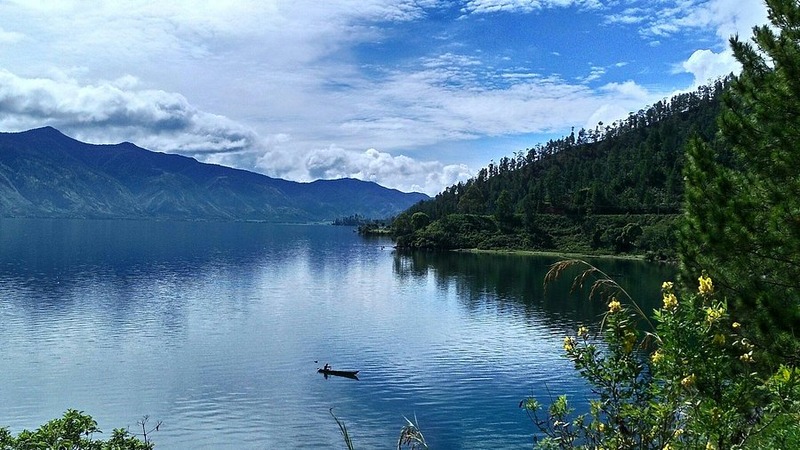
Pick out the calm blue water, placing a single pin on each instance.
(214, 329)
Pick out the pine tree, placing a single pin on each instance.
(504, 209)
(742, 198)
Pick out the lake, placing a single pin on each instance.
(217, 329)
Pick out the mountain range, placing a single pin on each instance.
(44, 173)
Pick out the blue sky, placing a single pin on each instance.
(412, 94)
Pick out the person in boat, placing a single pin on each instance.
(327, 367)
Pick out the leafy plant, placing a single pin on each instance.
(74, 431)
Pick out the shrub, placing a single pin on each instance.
(75, 431)
(684, 379)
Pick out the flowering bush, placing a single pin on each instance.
(686, 382)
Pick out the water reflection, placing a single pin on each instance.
(516, 282)
(326, 373)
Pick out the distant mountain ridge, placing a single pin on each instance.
(44, 173)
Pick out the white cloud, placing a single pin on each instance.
(628, 16)
(493, 6)
(373, 165)
(10, 37)
(594, 74)
(706, 65)
(626, 91)
(399, 172)
(105, 111)
(726, 17)
(662, 20)
(621, 99)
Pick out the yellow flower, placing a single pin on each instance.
(601, 427)
(710, 446)
(583, 332)
(747, 357)
(714, 314)
(657, 357)
(736, 325)
(630, 341)
(667, 447)
(670, 301)
(667, 286)
(678, 432)
(706, 286)
(688, 381)
(569, 344)
(614, 306)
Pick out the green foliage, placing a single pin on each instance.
(626, 239)
(684, 380)
(743, 189)
(419, 220)
(504, 209)
(651, 234)
(73, 431)
(452, 231)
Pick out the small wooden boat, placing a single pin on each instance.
(339, 373)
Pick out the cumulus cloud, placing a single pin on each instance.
(400, 172)
(728, 18)
(442, 101)
(107, 110)
(373, 165)
(706, 65)
(620, 100)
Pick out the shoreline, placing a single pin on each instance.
(553, 253)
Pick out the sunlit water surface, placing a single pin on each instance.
(215, 329)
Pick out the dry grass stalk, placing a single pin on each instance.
(411, 436)
(602, 284)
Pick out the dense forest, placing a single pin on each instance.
(614, 188)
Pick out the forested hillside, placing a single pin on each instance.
(616, 188)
